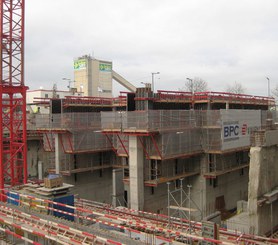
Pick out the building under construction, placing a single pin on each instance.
(144, 168)
(156, 153)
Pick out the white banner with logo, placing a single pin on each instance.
(237, 126)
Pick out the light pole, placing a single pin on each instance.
(268, 86)
(154, 73)
(69, 81)
(191, 84)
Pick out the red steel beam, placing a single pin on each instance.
(13, 132)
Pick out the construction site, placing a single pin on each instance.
(146, 167)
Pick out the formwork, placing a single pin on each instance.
(149, 121)
(68, 121)
(79, 132)
(179, 132)
(174, 144)
(121, 144)
(85, 141)
(48, 141)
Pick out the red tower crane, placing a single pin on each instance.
(13, 131)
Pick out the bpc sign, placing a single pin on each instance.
(231, 131)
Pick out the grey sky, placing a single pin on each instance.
(220, 41)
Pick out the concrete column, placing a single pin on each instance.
(40, 170)
(227, 105)
(203, 185)
(209, 106)
(58, 152)
(117, 188)
(136, 173)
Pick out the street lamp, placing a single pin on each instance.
(154, 73)
(69, 81)
(191, 84)
(268, 86)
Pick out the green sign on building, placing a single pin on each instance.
(80, 64)
(105, 67)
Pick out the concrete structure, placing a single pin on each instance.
(156, 141)
(260, 216)
(93, 77)
(263, 183)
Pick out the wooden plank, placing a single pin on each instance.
(221, 172)
(183, 208)
(166, 179)
(65, 186)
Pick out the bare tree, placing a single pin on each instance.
(236, 88)
(195, 85)
(275, 91)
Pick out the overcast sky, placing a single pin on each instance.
(220, 41)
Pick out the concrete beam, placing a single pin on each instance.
(123, 82)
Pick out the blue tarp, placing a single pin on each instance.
(69, 200)
(15, 196)
(53, 176)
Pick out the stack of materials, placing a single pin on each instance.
(53, 189)
(53, 180)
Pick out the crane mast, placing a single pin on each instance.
(13, 130)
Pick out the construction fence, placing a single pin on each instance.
(69, 121)
(152, 120)
(171, 144)
(175, 132)
(184, 132)
(85, 141)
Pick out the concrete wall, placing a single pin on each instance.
(232, 186)
(156, 198)
(92, 186)
(263, 178)
(36, 153)
(118, 188)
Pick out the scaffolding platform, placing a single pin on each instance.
(214, 174)
(43, 191)
(80, 170)
(161, 180)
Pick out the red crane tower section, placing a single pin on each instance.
(13, 131)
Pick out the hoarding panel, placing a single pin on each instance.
(237, 126)
(68, 200)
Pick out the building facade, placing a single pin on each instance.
(93, 77)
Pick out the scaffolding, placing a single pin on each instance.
(148, 121)
(173, 133)
(173, 144)
(79, 132)
(223, 164)
(68, 121)
(232, 98)
(68, 163)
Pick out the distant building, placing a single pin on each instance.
(93, 77)
(38, 100)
